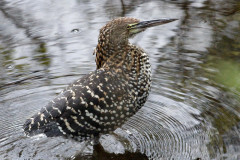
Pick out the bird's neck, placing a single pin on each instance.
(105, 52)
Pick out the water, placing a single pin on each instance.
(193, 111)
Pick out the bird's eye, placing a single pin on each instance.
(131, 26)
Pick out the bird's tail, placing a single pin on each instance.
(43, 122)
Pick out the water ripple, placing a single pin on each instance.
(161, 130)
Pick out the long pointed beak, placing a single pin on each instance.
(141, 26)
(152, 23)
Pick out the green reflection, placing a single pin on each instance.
(6, 57)
(228, 73)
(223, 70)
(42, 56)
(225, 121)
(42, 48)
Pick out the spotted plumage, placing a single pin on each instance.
(104, 99)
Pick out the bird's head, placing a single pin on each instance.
(118, 31)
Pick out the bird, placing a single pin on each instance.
(103, 100)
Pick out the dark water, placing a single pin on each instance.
(193, 111)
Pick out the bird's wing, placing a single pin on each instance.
(91, 105)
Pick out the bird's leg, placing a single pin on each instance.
(93, 142)
(98, 150)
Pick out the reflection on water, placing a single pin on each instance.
(194, 107)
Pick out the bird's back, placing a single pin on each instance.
(97, 103)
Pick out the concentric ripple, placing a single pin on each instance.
(162, 130)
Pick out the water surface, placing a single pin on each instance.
(193, 111)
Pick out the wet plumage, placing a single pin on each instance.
(104, 99)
